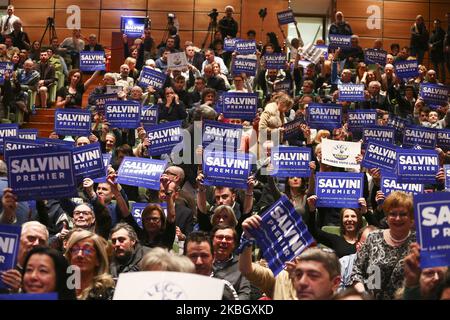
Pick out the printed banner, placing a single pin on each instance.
(28, 134)
(5, 67)
(417, 165)
(92, 60)
(374, 56)
(443, 139)
(341, 154)
(285, 17)
(29, 296)
(324, 116)
(101, 100)
(380, 155)
(11, 144)
(313, 52)
(447, 176)
(241, 64)
(339, 189)
(339, 41)
(282, 235)
(432, 218)
(359, 119)
(48, 142)
(291, 162)
(227, 169)
(177, 61)
(106, 158)
(229, 44)
(73, 122)
(399, 124)
(390, 184)
(351, 92)
(141, 172)
(240, 105)
(164, 137)
(379, 133)
(292, 128)
(406, 69)
(149, 115)
(138, 207)
(221, 136)
(151, 77)
(42, 173)
(88, 162)
(123, 114)
(132, 26)
(419, 135)
(245, 47)
(275, 61)
(284, 85)
(434, 94)
(9, 248)
(7, 130)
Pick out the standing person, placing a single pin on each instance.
(340, 26)
(6, 22)
(447, 44)
(228, 27)
(73, 46)
(47, 78)
(379, 264)
(419, 39)
(437, 49)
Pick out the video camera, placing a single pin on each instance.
(170, 17)
(213, 14)
(262, 13)
(50, 21)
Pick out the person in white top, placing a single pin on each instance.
(210, 58)
(7, 21)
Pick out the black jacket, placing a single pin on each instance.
(184, 219)
(131, 265)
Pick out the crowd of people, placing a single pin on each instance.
(189, 226)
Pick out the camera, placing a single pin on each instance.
(50, 21)
(262, 13)
(213, 14)
(171, 15)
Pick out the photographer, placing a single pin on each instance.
(227, 25)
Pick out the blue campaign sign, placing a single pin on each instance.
(227, 169)
(420, 166)
(138, 207)
(443, 139)
(406, 69)
(141, 172)
(447, 176)
(229, 44)
(29, 296)
(380, 155)
(292, 128)
(241, 64)
(390, 184)
(7, 130)
(399, 124)
(149, 115)
(221, 136)
(88, 161)
(285, 17)
(245, 46)
(28, 134)
(132, 25)
(151, 77)
(324, 116)
(339, 41)
(291, 162)
(123, 114)
(339, 189)
(9, 247)
(42, 173)
(282, 235)
(73, 122)
(48, 142)
(284, 85)
(11, 144)
(432, 219)
(374, 56)
(240, 105)
(419, 135)
(379, 133)
(106, 158)
(275, 61)
(92, 60)
(164, 137)
(359, 119)
(434, 94)
(5, 67)
(101, 100)
(351, 92)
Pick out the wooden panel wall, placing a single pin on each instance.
(103, 17)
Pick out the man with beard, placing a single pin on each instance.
(127, 252)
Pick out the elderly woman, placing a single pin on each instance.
(379, 264)
(273, 116)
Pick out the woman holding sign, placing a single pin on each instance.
(379, 264)
(71, 96)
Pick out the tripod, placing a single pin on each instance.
(212, 28)
(50, 27)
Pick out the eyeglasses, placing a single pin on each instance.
(85, 250)
(227, 238)
(84, 213)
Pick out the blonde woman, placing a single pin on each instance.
(88, 252)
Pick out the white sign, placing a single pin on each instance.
(341, 154)
(162, 285)
(177, 61)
